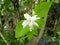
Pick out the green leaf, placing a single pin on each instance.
(32, 34)
(24, 31)
(6, 3)
(58, 33)
(42, 10)
(20, 31)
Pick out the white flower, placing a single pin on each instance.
(30, 21)
(5, 27)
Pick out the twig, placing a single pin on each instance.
(55, 24)
(41, 33)
(3, 38)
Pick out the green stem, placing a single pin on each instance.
(3, 38)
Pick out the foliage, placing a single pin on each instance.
(11, 18)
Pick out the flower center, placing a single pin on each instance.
(29, 20)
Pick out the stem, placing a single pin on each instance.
(55, 24)
(41, 33)
(3, 38)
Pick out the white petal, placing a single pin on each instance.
(25, 23)
(27, 16)
(34, 18)
(31, 26)
(5, 27)
(36, 24)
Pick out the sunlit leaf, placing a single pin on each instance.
(20, 31)
(42, 10)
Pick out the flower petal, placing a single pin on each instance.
(25, 23)
(27, 16)
(36, 24)
(34, 18)
(31, 26)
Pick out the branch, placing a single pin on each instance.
(3, 38)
